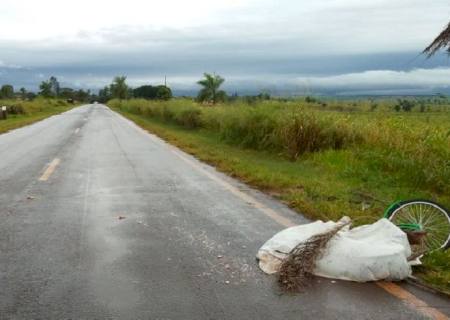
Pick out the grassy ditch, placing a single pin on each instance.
(323, 163)
(22, 113)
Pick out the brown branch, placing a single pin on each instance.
(297, 268)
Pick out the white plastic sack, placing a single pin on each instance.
(367, 253)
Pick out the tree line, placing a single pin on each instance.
(209, 93)
(119, 89)
(48, 89)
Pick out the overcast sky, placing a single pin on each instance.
(295, 46)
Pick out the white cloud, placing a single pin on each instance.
(49, 18)
(314, 27)
(423, 78)
(4, 65)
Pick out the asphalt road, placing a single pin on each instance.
(101, 220)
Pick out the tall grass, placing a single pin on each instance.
(21, 113)
(413, 146)
(18, 107)
(274, 126)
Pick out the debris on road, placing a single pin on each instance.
(366, 253)
(121, 217)
(142, 223)
(297, 268)
(31, 197)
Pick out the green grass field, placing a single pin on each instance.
(23, 113)
(324, 163)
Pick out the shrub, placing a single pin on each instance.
(167, 114)
(189, 118)
(309, 99)
(15, 109)
(304, 132)
(299, 134)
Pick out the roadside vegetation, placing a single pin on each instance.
(24, 107)
(21, 113)
(326, 158)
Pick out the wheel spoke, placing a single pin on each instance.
(431, 218)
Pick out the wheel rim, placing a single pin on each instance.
(429, 217)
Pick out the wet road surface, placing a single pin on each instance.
(101, 220)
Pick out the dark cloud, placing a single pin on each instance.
(329, 46)
(302, 76)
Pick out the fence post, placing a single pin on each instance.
(3, 113)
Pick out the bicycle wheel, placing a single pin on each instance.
(424, 216)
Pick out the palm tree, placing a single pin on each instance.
(210, 91)
(119, 88)
(441, 41)
(23, 93)
(46, 89)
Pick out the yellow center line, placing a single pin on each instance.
(412, 300)
(50, 169)
(389, 287)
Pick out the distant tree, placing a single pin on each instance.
(146, 92)
(163, 93)
(210, 91)
(45, 89)
(405, 105)
(310, 99)
(7, 91)
(264, 96)
(67, 93)
(119, 88)
(30, 95)
(93, 97)
(81, 95)
(23, 93)
(55, 86)
(104, 94)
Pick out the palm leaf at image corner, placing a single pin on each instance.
(441, 41)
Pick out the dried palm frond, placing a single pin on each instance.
(297, 268)
(441, 41)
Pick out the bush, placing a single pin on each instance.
(189, 118)
(309, 99)
(167, 114)
(304, 132)
(15, 109)
(249, 127)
